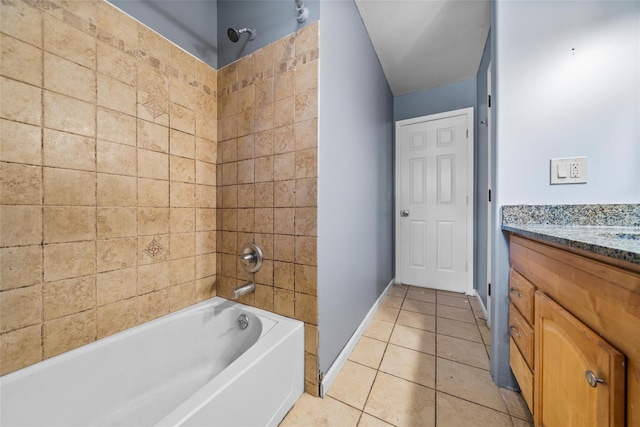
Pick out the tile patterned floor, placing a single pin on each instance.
(422, 361)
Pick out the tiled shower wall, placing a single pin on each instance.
(267, 180)
(108, 164)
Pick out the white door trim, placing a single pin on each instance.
(470, 179)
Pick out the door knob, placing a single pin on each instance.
(404, 213)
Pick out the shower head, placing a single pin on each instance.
(234, 33)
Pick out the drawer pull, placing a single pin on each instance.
(592, 379)
(515, 292)
(514, 331)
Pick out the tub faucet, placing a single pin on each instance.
(247, 288)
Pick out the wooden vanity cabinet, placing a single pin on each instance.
(586, 317)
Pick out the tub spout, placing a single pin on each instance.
(247, 288)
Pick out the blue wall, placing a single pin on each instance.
(191, 25)
(355, 205)
(437, 100)
(273, 19)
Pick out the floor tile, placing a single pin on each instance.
(451, 294)
(379, 330)
(393, 302)
(419, 306)
(353, 384)
(486, 334)
(454, 301)
(415, 339)
(455, 328)
(367, 420)
(400, 402)
(516, 405)
(426, 295)
(410, 365)
(368, 352)
(418, 320)
(455, 313)
(517, 422)
(313, 411)
(462, 351)
(469, 383)
(455, 412)
(387, 314)
(398, 291)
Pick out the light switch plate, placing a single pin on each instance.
(568, 170)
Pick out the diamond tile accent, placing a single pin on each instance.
(153, 249)
(154, 108)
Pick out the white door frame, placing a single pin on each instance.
(470, 179)
(490, 202)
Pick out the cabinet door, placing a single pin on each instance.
(565, 351)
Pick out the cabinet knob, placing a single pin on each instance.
(592, 379)
(515, 292)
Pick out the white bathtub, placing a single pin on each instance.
(194, 367)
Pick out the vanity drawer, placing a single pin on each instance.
(522, 373)
(522, 334)
(521, 293)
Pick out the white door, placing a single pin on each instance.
(434, 206)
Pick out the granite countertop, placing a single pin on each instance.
(609, 230)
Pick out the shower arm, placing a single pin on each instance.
(302, 12)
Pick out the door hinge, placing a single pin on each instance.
(489, 194)
(489, 100)
(467, 200)
(489, 289)
(467, 133)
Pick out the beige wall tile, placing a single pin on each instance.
(246, 147)
(264, 220)
(116, 254)
(264, 297)
(20, 308)
(152, 221)
(227, 128)
(144, 258)
(115, 285)
(283, 275)
(20, 225)
(20, 266)
(205, 173)
(230, 173)
(117, 190)
(153, 108)
(153, 192)
(153, 44)
(181, 271)
(284, 139)
(284, 193)
(311, 339)
(153, 305)
(205, 219)
(182, 220)
(69, 188)
(306, 250)
(245, 220)
(116, 63)
(68, 114)
(115, 95)
(307, 38)
(182, 296)
(182, 169)
(205, 127)
(116, 222)
(182, 144)
(246, 97)
(182, 119)
(80, 14)
(228, 242)
(265, 274)
(116, 317)
(205, 242)
(306, 134)
(20, 348)
(283, 112)
(306, 222)
(69, 260)
(263, 93)
(116, 158)
(20, 61)
(68, 42)
(265, 241)
(283, 221)
(263, 59)
(20, 102)
(306, 308)
(23, 22)
(283, 248)
(229, 196)
(206, 265)
(113, 22)
(152, 164)
(20, 143)
(206, 288)
(69, 151)
(182, 61)
(246, 198)
(263, 118)
(263, 145)
(206, 151)
(116, 127)
(182, 93)
(228, 105)
(284, 50)
(153, 277)
(284, 166)
(68, 297)
(69, 223)
(57, 73)
(265, 168)
(20, 184)
(306, 107)
(283, 302)
(182, 195)
(229, 150)
(284, 83)
(307, 163)
(246, 171)
(229, 219)
(152, 136)
(228, 265)
(67, 333)
(182, 245)
(306, 192)
(306, 77)
(306, 279)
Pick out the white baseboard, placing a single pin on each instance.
(484, 309)
(333, 371)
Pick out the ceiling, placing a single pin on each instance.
(424, 44)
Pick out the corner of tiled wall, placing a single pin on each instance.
(108, 152)
(267, 180)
